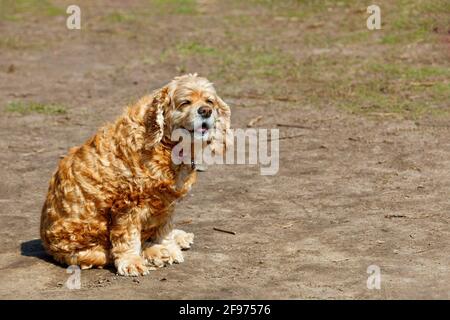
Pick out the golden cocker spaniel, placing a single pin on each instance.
(111, 200)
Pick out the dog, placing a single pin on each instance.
(111, 200)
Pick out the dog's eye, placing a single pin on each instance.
(184, 103)
(209, 101)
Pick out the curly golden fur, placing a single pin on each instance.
(111, 200)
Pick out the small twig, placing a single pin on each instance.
(341, 260)
(292, 126)
(188, 221)
(286, 226)
(254, 121)
(422, 251)
(390, 216)
(34, 152)
(262, 97)
(20, 95)
(285, 99)
(384, 114)
(222, 230)
(424, 84)
(288, 137)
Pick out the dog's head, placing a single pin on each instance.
(190, 102)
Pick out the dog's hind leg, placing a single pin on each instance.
(95, 257)
(72, 241)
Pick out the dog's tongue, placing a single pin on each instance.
(203, 128)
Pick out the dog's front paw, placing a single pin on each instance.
(176, 256)
(183, 239)
(131, 265)
(159, 255)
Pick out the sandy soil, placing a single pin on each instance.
(352, 191)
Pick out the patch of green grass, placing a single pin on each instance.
(261, 62)
(409, 72)
(120, 17)
(390, 39)
(356, 37)
(316, 40)
(245, 61)
(230, 62)
(409, 91)
(266, 59)
(374, 97)
(370, 87)
(417, 35)
(413, 21)
(303, 8)
(193, 47)
(241, 20)
(14, 43)
(182, 7)
(441, 89)
(35, 107)
(14, 10)
(18, 43)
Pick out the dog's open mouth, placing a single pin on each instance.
(203, 129)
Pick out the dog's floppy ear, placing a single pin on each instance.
(222, 139)
(155, 115)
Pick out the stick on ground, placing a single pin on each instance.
(299, 126)
(226, 231)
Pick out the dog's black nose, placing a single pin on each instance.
(204, 111)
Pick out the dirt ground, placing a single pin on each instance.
(363, 179)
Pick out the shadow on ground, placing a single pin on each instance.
(34, 248)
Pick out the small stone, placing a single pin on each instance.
(11, 68)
